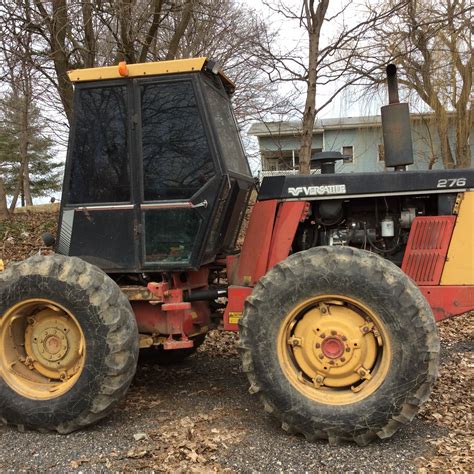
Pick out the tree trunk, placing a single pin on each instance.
(24, 144)
(28, 201)
(89, 35)
(151, 35)
(314, 21)
(445, 147)
(4, 214)
(308, 119)
(180, 29)
(58, 26)
(463, 127)
(16, 194)
(18, 188)
(128, 51)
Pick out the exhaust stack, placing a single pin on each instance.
(398, 147)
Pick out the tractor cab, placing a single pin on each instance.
(156, 177)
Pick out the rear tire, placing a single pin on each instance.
(340, 344)
(68, 344)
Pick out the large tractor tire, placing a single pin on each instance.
(68, 344)
(340, 344)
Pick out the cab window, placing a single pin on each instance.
(176, 157)
(100, 168)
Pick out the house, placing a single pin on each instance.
(359, 139)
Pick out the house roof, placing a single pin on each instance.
(294, 127)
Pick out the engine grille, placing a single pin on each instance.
(427, 248)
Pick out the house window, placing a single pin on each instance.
(348, 152)
(271, 164)
(381, 153)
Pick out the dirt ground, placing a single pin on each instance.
(197, 416)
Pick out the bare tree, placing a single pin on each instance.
(312, 18)
(431, 41)
(233, 35)
(69, 35)
(320, 62)
(426, 137)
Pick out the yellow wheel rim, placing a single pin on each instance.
(42, 349)
(334, 349)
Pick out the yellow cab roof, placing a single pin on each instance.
(157, 68)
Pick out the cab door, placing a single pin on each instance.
(98, 215)
(179, 179)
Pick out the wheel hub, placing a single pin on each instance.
(43, 349)
(332, 347)
(53, 344)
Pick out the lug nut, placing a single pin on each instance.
(348, 349)
(322, 335)
(318, 345)
(331, 362)
(321, 356)
(333, 333)
(295, 342)
(343, 359)
(344, 338)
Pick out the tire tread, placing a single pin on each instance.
(415, 308)
(115, 313)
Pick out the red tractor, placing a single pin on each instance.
(333, 290)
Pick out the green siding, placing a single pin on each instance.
(365, 142)
(275, 143)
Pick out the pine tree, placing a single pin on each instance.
(26, 157)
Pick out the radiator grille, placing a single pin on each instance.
(427, 248)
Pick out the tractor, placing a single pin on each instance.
(335, 290)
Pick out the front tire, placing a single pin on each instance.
(68, 344)
(340, 344)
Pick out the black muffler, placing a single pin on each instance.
(398, 145)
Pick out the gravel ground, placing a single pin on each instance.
(198, 417)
